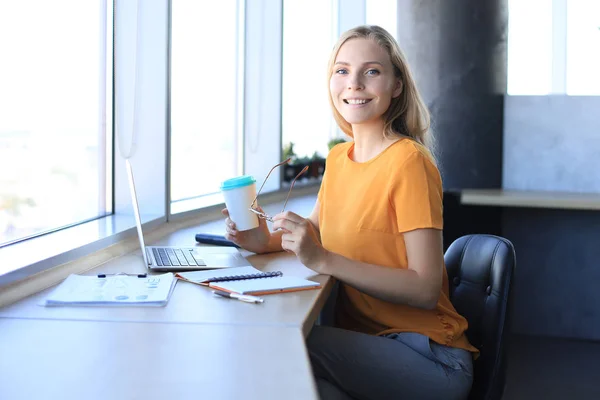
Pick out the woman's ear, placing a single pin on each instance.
(398, 89)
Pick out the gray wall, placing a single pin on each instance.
(457, 52)
(552, 143)
(557, 279)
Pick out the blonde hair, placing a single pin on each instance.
(407, 115)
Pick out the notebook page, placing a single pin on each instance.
(203, 276)
(266, 285)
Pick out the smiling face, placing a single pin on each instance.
(363, 83)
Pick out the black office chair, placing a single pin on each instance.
(480, 270)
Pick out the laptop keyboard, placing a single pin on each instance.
(170, 257)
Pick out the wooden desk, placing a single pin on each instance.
(191, 303)
(52, 359)
(535, 199)
(555, 236)
(194, 304)
(197, 346)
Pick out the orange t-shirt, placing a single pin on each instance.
(364, 210)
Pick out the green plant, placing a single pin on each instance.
(316, 156)
(288, 150)
(303, 160)
(333, 142)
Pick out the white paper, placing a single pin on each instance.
(113, 290)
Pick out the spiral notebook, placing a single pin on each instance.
(248, 280)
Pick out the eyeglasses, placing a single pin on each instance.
(254, 205)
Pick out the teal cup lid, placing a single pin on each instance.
(238, 182)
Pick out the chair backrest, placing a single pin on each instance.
(480, 269)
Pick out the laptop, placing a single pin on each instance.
(173, 258)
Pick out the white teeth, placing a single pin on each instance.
(356, 101)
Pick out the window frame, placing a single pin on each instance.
(150, 162)
(31, 254)
(47, 251)
(105, 166)
(178, 209)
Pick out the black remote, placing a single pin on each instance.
(215, 240)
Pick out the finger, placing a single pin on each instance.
(229, 223)
(231, 238)
(288, 238)
(284, 224)
(288, 246)
(280, 225)
(290, 216)
(281, 229)
(261, 222)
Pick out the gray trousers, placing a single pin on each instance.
(352, 365)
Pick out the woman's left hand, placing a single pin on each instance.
(301, 238)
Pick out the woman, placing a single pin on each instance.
(377, 228)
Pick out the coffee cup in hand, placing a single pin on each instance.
(239, 193)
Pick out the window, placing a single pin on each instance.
(529, 47)
(205, 81)
(55, 115)
(583, 47)
(307, 120)
(553, 47)
(383, 13)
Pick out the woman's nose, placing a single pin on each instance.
(355, 82)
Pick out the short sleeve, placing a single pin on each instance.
(416, 195)
(322, 188)
(329, 164)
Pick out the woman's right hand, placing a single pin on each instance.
(255, 240)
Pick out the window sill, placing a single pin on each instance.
(24, 259)
(29, 257)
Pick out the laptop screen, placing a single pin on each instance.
(136, 210)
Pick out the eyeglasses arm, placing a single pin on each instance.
(265, 181)
(292, 186)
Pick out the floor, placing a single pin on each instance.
(547, 368)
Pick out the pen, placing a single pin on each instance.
(241, 297)
(123, 274)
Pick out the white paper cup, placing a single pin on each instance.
(239, 193)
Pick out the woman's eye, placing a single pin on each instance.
(341, 71)
(372, 72)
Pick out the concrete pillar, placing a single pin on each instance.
(457, 51)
